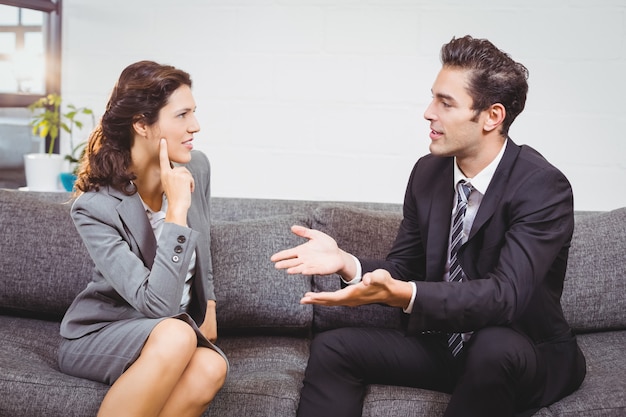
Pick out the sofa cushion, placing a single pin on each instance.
(252, 295)
(31, 383)
(265, 376)
(603, 392)
(387, 400)
(366, 233)
(44, 263)
(236, 209)
(595, 284)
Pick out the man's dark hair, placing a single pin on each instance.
(494, 76)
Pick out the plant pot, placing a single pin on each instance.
(68, 179)
(42, 171)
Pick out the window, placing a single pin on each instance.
(30, 50)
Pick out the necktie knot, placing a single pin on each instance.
(464, 189)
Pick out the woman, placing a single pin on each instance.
(146, 322)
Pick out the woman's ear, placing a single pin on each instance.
(140, 126)
(495, 117)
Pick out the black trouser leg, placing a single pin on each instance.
(343, 361)
(499, 373)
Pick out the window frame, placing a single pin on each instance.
(51, 30)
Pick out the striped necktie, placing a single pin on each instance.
(455, 340)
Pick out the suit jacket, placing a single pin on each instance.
(514, 259)
(135, 276)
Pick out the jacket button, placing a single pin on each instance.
(181, 239)
(178, 249)
(175, 258)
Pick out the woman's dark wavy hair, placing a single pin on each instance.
(142, 90)
(494, 76)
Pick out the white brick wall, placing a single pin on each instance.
(324, 99)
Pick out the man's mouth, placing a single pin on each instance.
(434, 134)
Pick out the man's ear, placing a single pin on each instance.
(495, 117)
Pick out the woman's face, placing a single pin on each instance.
(177, 123)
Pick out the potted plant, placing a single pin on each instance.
(76, 152)
(68, 178)
(48, 121)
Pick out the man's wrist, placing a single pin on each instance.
(356, 277)
(409, 308)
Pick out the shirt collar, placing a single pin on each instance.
(155, 216)
(481, 181)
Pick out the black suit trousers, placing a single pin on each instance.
(497, 374)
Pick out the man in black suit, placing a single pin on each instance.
(498, 294)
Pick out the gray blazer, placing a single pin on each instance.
(135, 276)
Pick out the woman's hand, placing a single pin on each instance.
(209, 325)
(178, 185)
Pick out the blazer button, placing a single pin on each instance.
(178, 249)
(181, 239)
(175, 258)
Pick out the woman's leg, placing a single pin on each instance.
(143, 389)
(202, 379)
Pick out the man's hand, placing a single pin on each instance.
(375, 287)
(320, 256)
(178, 185)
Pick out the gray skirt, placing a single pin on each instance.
(104, 355)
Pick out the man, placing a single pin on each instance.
(478, 264)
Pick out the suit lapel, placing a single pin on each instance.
(133, 215)
(440, 218)
(496, 187)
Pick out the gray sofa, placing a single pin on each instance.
(263, 329)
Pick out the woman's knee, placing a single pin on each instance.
(171, 338)
(212, 365)
(207, 371)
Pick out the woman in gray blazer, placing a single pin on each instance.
(146, 322)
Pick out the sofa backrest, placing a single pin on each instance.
(252, 295)
(43, 262)
(595, 283)
(366, 233)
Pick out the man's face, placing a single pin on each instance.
(456, 130)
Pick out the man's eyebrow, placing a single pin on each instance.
(442, 96)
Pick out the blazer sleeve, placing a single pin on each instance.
(115, 242)
(200, 219)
